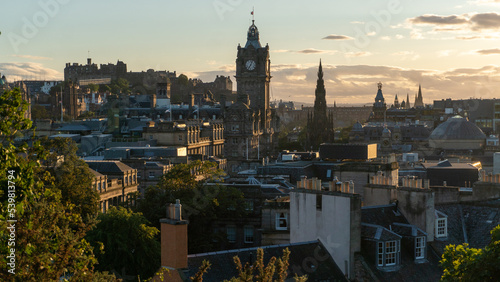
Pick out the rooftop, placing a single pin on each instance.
(223, 266)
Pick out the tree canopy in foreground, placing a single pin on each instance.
(460, 262)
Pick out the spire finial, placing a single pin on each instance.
(253, 16)
(379, 85)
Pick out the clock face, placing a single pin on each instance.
(250, 65)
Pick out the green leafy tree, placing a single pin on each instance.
(93, 87)
(127, 244)
(86, 114)
(48, 242)
(462, 263)
(121, 85)
(104, 88)
(39, 112)
(202, 203)
(183, 80)
(72, 177)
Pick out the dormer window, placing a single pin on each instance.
(281, 221)
(441, 222)
(388, 253)
(420, 247)
(441, 227)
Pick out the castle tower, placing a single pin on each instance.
(319, 124)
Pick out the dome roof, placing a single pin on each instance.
(357, 126)
(457, 128)
(386, 132)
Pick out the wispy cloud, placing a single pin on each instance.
(307, 51)
(314, 51)
(357, 54)
(337, 37)
(467, 26)
(31, 57)
(445, 53)
(495, 51)
(438, 20)
(407, 55)
(349, 84)
(484, 2)
(29, 70)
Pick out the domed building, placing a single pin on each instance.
(457, 133)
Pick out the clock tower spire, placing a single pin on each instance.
(253, 73)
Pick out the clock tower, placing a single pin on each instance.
(253, 74)
(251, 127)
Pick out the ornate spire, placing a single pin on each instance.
(380, 97)
(419, 102)
(320, 88)
(253, 36)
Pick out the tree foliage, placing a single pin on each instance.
(127, 244)
(45, 235)
(460, 262)
(93, 87)
(39, 112)
(201, 203)
(120, 85)
(72, 177)
(183, 80)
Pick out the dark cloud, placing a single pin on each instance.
(485, 21)
(439, 20)
(489, 51)
(337, 37)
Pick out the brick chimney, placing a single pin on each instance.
(174, 247)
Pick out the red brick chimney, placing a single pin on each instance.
(174, 247)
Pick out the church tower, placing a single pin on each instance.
(419, 100)
(253, 74)
(396, 102)
(320, 124)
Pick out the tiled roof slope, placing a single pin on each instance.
(310, 258)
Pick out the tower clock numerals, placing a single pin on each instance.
(250, 65)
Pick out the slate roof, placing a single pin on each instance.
(394, 222)
(301, 261)
(95, 173)
(384, 215)
(476, 218)
(377, 233)
(74, 127)
(106, 167)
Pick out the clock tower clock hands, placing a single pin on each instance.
(250, 65)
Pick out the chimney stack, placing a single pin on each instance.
(174, 248)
